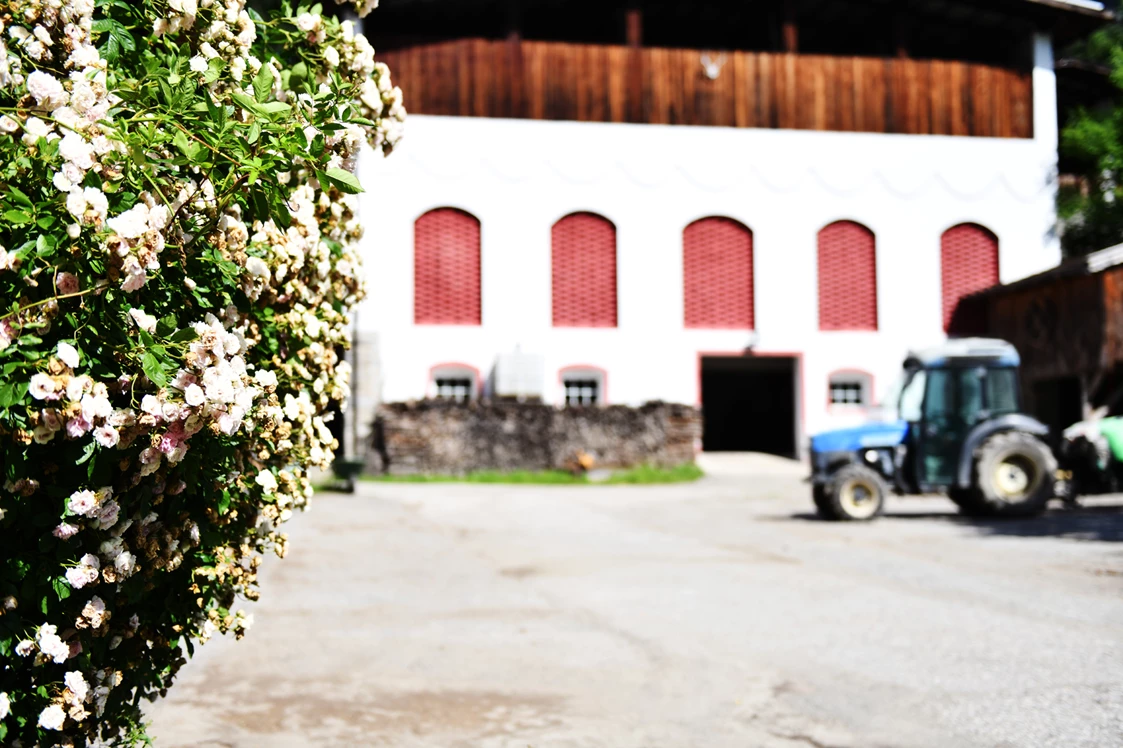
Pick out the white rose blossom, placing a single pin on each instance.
(68, 355)
(52, 718)
(227, 386)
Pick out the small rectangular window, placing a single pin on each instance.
(455, 389)
(847, 393)
(582, 392)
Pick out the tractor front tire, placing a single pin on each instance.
(854, 493)
(819, 496)
(1015, 475)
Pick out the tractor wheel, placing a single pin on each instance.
(1015, 475)
(819, 496)
(854, 493)
(968, 501)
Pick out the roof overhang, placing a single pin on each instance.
(1066, 20)
(1091, 264)
(1087, 7)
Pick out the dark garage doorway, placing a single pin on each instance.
(1058, 403)
(749, 404)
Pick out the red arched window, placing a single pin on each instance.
(584, 271)
(718, 274)
(968, 263)
(446, 268)
(847, 277)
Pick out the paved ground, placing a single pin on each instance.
(713, 615)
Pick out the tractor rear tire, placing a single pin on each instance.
(854, 493)
(967, 499)
(1015, 475)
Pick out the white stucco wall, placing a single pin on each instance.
(519, 177)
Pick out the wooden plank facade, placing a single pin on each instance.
(1067, 324)
(603, 83)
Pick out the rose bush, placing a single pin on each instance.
(177, 261)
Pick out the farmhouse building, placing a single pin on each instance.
(752, 207)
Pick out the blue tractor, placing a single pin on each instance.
(953, 424)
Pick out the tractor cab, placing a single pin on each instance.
(953, 406)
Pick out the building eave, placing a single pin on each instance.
(1092, 264)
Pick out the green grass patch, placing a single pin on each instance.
(543, 477)
(648, 474)
(643, 475)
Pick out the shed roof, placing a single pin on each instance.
(1092, 264)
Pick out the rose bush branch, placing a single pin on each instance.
(178, 234)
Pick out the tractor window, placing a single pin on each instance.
(938, 404)
(970, 394)
(912, 397)
(1002, 391)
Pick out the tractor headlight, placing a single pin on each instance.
(871, 456)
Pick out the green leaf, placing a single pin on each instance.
(88, 453)
(341, 179)
(166, 326)
(246, 102)
(186, 146)
(275, 107)
(263, 84)
(117, 38)
(181, 142)
(45, 245)
(299, 70)
(217, 113)
(281, 212)
(182, 336)
(153, 370)
(61, 588)
(17, 217)
(254, 133)
(214, 69)
(19, 198)
(260, 204)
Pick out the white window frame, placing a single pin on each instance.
(582, 374)
(851, 377)
(454, 371)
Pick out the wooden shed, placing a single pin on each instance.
(1067, 324)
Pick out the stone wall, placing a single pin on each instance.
(441, 437)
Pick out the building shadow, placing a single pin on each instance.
(1097, 522)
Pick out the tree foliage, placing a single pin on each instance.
(177, 262)
(1091, 207)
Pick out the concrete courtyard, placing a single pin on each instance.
(715, 614)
